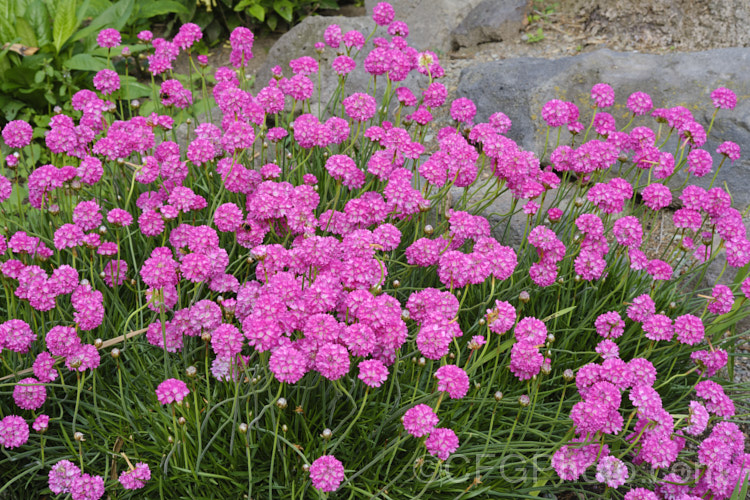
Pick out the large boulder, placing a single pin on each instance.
(431, 22)
(520, 87)
(491, 21)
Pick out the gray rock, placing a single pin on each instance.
(490, 21)
(520, 87)
(431, 22)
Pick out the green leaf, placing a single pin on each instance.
(285, 9)
(65, 22)
(7, 31)
(133, 89)
(37, 16)
(272, 21)
(328, 4)
(26, 32)
(243, 3)
(257, 12)
(85, 62)
(114, 17)
(148, 10)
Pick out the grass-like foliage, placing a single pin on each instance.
(276, 304)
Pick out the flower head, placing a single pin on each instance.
(453, 380)
(441, 443)
(171, 391)
(326, 473)
(420, 420)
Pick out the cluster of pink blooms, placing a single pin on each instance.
(551, 251)
(66, 477)
(525, 359)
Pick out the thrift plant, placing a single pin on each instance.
(292, 302)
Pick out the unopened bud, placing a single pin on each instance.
(281, 403)
(115, 353)
(78, 436)
(498, 396)
(191, 371)
(327, 434)
(524, 297)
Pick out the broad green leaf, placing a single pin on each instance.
(257, 12)
(7, 9)
(8, 32)
(65, 22)
(285, 9)
(131, 88)
(19, 7)
(243, 4)
(147, 10)
(26, 32)
(114, 17)
(37, 16)
(328, 4)
(85, 62)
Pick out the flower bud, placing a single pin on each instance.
(327, 434)
(421, 361)
(170, 439)
(396, 283)
(115, 353)
(306, 467)
(568, 375)
(78, 436)
(206, 336)
(284, 428)
(578, 202)
(524, 400)
(428, 230)
(181, 421)
(524, 297)
(498, 396)
(242, 428)
(98, 343)
(191, 371)
(281, 403)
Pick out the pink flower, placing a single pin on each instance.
(17, 133)
(360, 107)
(16, 335)
(441, 443)
(29, 394)
(108, 38)
(61, 476)
(135, 479)
(14, 431)
(699, 162)
(698, 419)
(41, 423)
(383, 13)
(689, 329)
(658, 327)
(640, 103)
(171, 391)
(86, 487)
(722, 300)
(287, 364)
(723, 98)
(610, 325)
(453, 380)
(373, 372)
(463, 110)
(656, 196)
(729, 149)
(326, 473)
(107, 81)
(611, 471)
(603, 95)
(332, 361)
(555, 113)
(420, 420)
